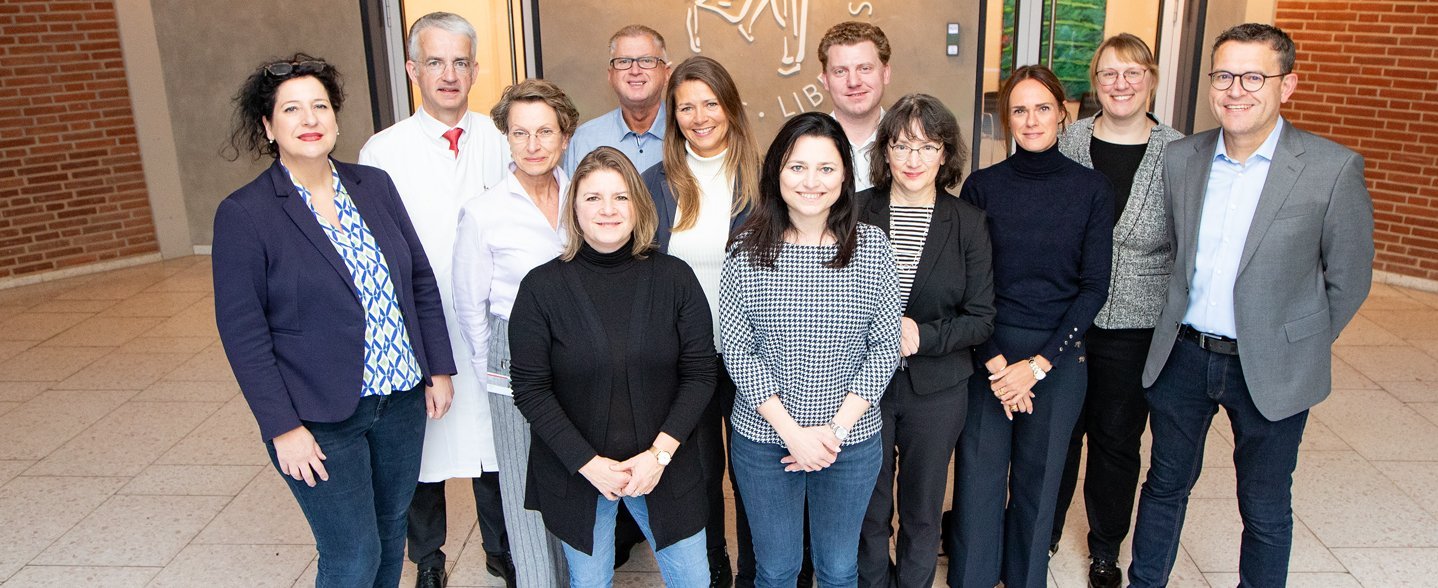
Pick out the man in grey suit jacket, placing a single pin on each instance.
(1273, 235)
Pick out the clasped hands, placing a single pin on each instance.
(810, 449)
(636, 476)
(1013, 383)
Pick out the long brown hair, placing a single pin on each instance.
(762, 235)
(741, 162)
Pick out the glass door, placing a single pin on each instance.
(1061, 34)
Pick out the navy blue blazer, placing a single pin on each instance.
(286, 306)
(668, 208)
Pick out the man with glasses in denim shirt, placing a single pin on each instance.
(638, 69)
(1273, 244)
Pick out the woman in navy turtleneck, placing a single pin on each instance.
(1050, 220)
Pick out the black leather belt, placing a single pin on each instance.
(1214, 343)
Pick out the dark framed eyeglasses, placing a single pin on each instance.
(281, 69)
(1250, 81)
(646, 62)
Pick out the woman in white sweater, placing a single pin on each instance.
(702, 190)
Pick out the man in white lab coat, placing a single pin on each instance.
(439, 157)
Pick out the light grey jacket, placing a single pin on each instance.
(1142, 246)
(1306, 266)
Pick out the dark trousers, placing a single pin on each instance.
(1193, 385)
(428, 524)
(358, 515)
(709, 437)
(1007, 472)
(918, 440)
(1114, 416)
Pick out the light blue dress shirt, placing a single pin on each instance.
(643, 149)
(1228, 207)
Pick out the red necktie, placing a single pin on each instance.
(453, 136)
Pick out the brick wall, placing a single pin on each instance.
(72, 190)
(1369, 80)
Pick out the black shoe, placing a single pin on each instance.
(1103, 573)
(431, 578)
(721, 575)
(500, 565)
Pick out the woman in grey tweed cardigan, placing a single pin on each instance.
(1127, 145)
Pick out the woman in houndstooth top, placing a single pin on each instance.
(809, 305)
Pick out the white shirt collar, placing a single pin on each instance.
(872, 136)
(435, 130)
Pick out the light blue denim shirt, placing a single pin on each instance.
(1228, 207)
(643, 149)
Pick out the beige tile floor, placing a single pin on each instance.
(128, 457)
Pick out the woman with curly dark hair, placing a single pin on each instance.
(331, 319)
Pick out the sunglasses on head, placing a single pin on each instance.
(281, 69)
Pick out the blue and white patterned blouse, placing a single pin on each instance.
(389, 361)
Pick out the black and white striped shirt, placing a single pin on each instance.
(810, 334)
(908, 228)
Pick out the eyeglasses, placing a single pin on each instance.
(1109, 77)
(437, 66)
(927, 153)
(521, 137)
(281, 69)
(623, 63)
(1250, 81)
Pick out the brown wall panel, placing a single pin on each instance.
(769, 46)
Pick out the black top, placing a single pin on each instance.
(1118, 163)
(610, 284)
(952, 299)
(1051, 223)
(589, 338)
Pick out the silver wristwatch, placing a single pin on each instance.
(840, 431)
(1039, 372)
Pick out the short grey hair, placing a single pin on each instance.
(638, 30)
(445, 21)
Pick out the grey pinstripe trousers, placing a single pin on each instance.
(538, 556)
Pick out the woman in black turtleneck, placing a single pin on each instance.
(613, 364)
(1050, 221)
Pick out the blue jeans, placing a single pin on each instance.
(1182, 402)
(358, 515)
(685, 564)
(837, 497)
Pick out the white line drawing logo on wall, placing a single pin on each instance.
(791, 16)
(792, 19)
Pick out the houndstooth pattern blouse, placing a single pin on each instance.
(810, 334)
